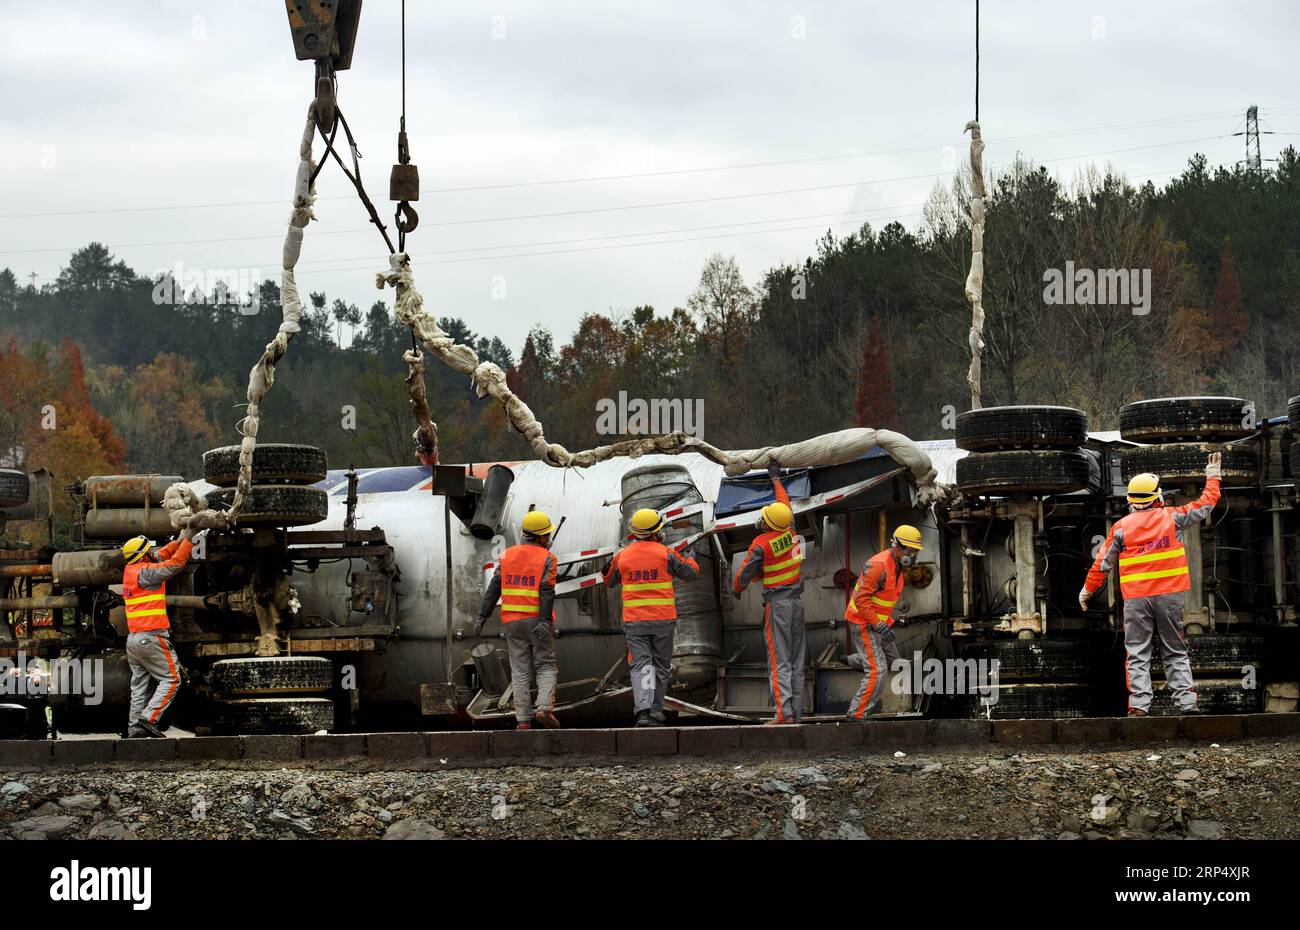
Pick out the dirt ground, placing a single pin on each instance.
(1244, 790)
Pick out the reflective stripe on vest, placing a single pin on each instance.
(647, 582)
(146, 608)
(882, 600)
(1153, 561)
(782, 558)
(523, 569)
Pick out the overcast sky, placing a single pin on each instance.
(198, 106)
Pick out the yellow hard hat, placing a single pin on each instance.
(778, 516)
(537, 523)
(135, 549)
(1144, 488)
(646, 522)
(907, 535)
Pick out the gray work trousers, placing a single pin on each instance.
(155, 674)
(1145, 620)
(875, 652)
(787, 654)
(650, 643)
(531, 645)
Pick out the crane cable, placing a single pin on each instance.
(406, 219)
(975, 278)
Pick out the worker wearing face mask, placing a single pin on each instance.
(870, 615)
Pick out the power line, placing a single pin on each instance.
(346, 264)
(342, 265)
(626, 245)
(642, 206)
(698, 238)
(337, 266)
(364, 263)
(994, 140)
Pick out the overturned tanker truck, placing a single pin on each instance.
(345, 598)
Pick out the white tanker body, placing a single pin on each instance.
(401, 502)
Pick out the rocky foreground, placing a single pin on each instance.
(1246, 790)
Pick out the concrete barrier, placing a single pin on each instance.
(463, 749)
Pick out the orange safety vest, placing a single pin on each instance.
(146, 608)
(883, 600)
(523, 569)
(646, 581)
(1153, 561)
(782, 558)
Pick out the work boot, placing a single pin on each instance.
(1137, 712)
(1194, 710)
(547, 719)
(774, 722)
(658, 717)
(150, 730)
(521, 725)
(643, 719)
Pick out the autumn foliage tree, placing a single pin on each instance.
(75, 409)
(164, 412)
(49, 422)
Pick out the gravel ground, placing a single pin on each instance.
(1245, 790)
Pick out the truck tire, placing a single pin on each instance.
(1184, 419)
(1035, 659)
(1031, 471)
(274, 715)
(272, 463)
(1218, 655)
(1032, 427)
(256, 677)
(1213, 696)
(1293, 416)
(1185, 461)
(14, 488)
(276, 505)
(1032, 701)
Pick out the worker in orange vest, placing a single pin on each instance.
(870, 615)
(778, 553)
(1153, 579)
(149, 649)
(525, 583)
(645, 568)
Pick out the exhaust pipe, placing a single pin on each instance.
(492, 503)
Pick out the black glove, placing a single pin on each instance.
(773, 470)
(477, 629)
